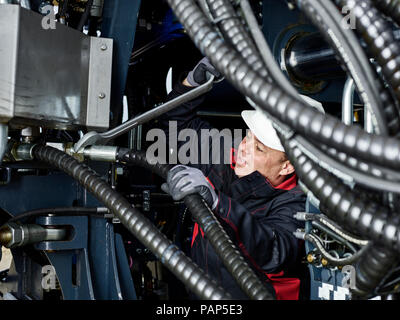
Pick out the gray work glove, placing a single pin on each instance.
(183, 180)
(198, 75)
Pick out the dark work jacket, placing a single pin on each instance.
(257, 216)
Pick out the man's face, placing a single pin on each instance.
(253, 155)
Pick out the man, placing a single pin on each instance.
(254, 198)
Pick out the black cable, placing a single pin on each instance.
(370, 26)
(307, 121)
(372, 267)
(70, 211)
(390, 7)
(334, 235)
(141, 227)
(85, 15)
(329, 21)
(232, 29)
(343, 205)
(331, 259)
(247, 280)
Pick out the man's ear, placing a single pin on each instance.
(287, 168)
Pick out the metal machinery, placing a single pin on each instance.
(82, 81)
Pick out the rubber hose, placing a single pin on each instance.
(343, 205)
(390, 7)
(232, 28)
(362, 166)
(214, 232)
(329, 21)
(372, 267)
(142, 228)
(371, 26)
(302, 118)
(333, 260)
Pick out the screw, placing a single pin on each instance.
(102, 95)
(103, 47)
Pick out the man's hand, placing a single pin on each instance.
(198, 75)
(183, 180)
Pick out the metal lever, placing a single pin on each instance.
(93, 137)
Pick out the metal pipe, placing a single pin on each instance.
(347, 102)
(14, 235)
(93, 137)
(3, 140)
(309, 57)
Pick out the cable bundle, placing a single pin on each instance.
(331, 158)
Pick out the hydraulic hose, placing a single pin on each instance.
(369, 219)
(327, 18)
(142, 228)
(331, 259)
(390, 7)
(220, 241)
(372, 26)
(76, 211)
(233, 30)
(300, 117)
(322, 219)
(372, 267)
(343, 205)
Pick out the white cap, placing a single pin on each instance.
(259, 123)
(261, 126)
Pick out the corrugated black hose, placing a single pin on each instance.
(371, 268)
(300, 117)
(390, 7)
(142, 228)
(346, 207)
(343, 205)
(370, 26)
(232, 28)
(214, 232)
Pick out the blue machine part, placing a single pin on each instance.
(93, 265)
(325, 283)
(119, 24)
(280, 25)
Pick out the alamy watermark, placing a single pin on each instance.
(349, 277)
(206, 146)
(49, 19)
(349, 20)
(49, 277)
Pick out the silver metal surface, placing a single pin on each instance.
(45, 74)
(347, 102)
(100, 69)
(101, 153)
(3, 140)
(93, 137)
(32, 233)
(97, 8)
(24, 152)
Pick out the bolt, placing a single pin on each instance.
(102, 95)
(310, 258)
(103, 47)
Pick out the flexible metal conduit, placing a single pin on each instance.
(369, 219)
(143, 229)
(343, 205)
(232, 29)
(372, 26)
(372, 267)
(390, 7)
(307, 121)
(220, 241)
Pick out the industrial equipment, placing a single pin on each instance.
(83, 82)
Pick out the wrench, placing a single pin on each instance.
(93, 137)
